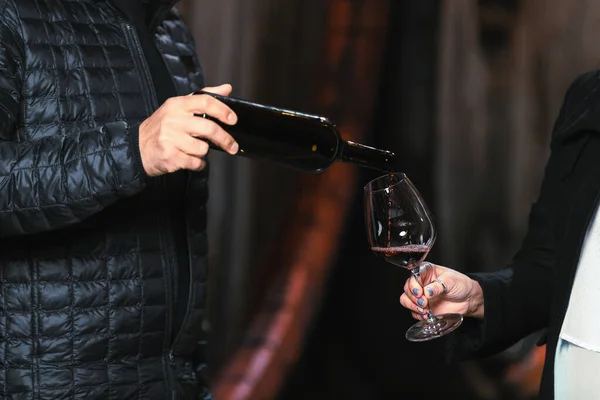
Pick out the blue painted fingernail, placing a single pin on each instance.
(430, 291)
(415, 291)
(421, 302)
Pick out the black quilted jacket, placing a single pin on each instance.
(87, 275)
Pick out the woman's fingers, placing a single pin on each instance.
(406, 302)
(414, 292)
(435, 288)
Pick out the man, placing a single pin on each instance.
(102, 201)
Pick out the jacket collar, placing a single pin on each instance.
(156, 8)
(158, 3)
(154, 3)
(580, 114)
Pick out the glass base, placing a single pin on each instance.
(425, 330)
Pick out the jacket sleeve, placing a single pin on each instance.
(511, 311)
(57, 180)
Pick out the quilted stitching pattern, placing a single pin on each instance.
(84, 275)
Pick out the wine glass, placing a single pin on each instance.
(401, 231)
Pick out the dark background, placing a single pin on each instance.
(465, 93)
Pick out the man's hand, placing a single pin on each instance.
(173, 138)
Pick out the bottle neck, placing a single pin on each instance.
(366, 156)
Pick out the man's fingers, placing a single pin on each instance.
(206, 129)
(212, 107)
(192, 163)
(224, 89)
(192, 146)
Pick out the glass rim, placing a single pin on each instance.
(401, 175)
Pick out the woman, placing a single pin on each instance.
(553, 282)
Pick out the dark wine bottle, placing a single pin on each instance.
(305, 142)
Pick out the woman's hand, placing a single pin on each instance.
(463, 295)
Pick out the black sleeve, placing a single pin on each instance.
(511, 311)
(59, 180)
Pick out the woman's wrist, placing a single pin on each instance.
(476, 303)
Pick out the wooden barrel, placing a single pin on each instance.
(355, 39)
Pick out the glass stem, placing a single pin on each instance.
(416, 272)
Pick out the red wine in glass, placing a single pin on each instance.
(408, 256)
(401, 231)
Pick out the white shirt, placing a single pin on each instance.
(577, 361)
(582, 320)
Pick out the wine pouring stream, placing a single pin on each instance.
(401, 230)
(399, 225)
